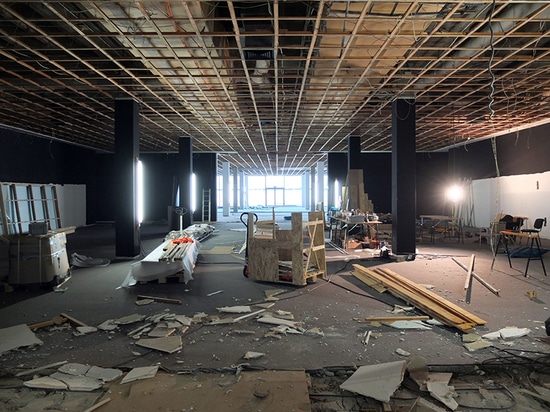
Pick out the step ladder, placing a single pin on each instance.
(206, 216)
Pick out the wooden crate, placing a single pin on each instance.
(295, 256)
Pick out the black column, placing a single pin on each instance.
(354, 153)
(403, 177)
(205, 168)
(337, 169)
(184, 170)
(126, 155)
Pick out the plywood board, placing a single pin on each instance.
(268, 391)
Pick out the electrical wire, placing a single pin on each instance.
(491, 58)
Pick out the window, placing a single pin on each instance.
(22, 204)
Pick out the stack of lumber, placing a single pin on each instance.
(173, 251)
(425, 300)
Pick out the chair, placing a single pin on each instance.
(537, 226)
(534, 237)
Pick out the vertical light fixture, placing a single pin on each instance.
(336, 193)
(139, 191)
(193, 192)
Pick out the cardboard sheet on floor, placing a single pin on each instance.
(17, 336)
(376, 381)
(268, 391)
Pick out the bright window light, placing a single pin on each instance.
(139, 191)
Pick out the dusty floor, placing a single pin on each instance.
(332, 313)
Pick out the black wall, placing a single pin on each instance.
(518, 153)
(28, 159)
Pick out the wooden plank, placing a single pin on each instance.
(160, 299)
(467, 283)
(425, 300)
(394, 318)
(73, 320)
(373, 283)
(470, 317)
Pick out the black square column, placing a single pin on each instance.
(126, 157)
(354, 153)
(403, 177)
(184, 171)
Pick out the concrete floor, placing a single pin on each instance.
(336, 306)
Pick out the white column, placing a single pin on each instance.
(306, 177)
(312, 197)
(320, 183)
(225, 177)
(242, 190)
(235, 190)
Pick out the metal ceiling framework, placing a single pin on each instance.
(273, 86)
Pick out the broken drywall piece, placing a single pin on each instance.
(478, 344)
(508, 332)
(235, 309)
(169, 344)
(215, 320)
(513, 332)
(126, 320)
(161, 331)
(470, 337)
(443, 393)
(144, 372)
(199, 317)
(491, 335)
(45, 382)
(17, 336)
(184, 320)
(78, 383)
(84, 330)
(143, 302)
(103, 374)
(376, 381)
(408, 324)
(249, 315)
(253, 355)
(418, 369)
(108, 325)
(315, 332)
(74, 369)
(402, 352)
(401, 309)
(276, 321)
(265, 305)
(283, 314)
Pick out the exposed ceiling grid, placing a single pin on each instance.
(274, 86)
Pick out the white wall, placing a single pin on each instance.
(72, 204)
(520, 195)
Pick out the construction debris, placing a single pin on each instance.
(235, 309)
(253, 355)
(376, 381)
(169, 344)
(426, 300)
(160, 299)
(144, 372)
(16, 337)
